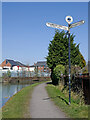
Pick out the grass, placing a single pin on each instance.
(0, 114)
(75, 110)
(89, 112)
(18, 105)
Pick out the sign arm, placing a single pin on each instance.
(77, 24)
(57, 26)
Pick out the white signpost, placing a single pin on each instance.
(77, 23)
(69, 20)
(57, 26)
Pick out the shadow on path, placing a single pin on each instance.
(57, 97)
(49, 83)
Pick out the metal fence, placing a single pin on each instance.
(17, 73)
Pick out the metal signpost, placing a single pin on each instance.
(69, 20)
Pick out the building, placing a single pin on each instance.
(17, 69)
(32, 68)
(12, 65)
(42, 66)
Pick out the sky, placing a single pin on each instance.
(25, 36)
(45, 0)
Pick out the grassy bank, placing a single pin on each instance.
(18, 105)
(75, 110)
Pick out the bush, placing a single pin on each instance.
(58, 71)
(74, 69)
(8, 73)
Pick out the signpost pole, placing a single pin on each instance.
(69, 65)
(69, 19)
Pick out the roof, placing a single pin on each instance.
(20, 64)
(32, 66)
(41, 63)
(14, 63)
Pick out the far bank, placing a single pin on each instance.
(22, 79)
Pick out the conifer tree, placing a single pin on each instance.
(58, 52)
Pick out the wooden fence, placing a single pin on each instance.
(85, 86)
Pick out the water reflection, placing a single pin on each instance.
(8, 90)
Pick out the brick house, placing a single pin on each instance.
(42, 67)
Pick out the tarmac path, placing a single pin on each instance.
(41, 106)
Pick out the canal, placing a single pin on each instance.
(7, 90)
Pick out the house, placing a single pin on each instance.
(32, 68)
(42, 67)
(12, 65)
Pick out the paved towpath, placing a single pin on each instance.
(41, 106)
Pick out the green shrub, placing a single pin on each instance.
(58, 71)
(8, 73)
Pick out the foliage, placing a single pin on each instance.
(58, 52)
(85, 70)
(82, 61)
(58, 71)
(74, 69)
(8, 74)
(36, 71)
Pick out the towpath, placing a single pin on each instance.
(41, 106)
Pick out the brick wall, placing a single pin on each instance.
(41, 69)
(4, 64)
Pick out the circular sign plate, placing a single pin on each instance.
(69, 19)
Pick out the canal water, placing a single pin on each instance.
(7, 90)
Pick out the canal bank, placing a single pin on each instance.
(8, 90)
(17, 105)
(23, 79)
(11, 86)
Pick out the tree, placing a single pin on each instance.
(36, 71)
(8, 73)
(58, 52)
(82, 61)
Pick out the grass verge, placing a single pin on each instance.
(61, 100)
(18, 105)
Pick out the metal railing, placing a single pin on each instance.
(11, 73)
